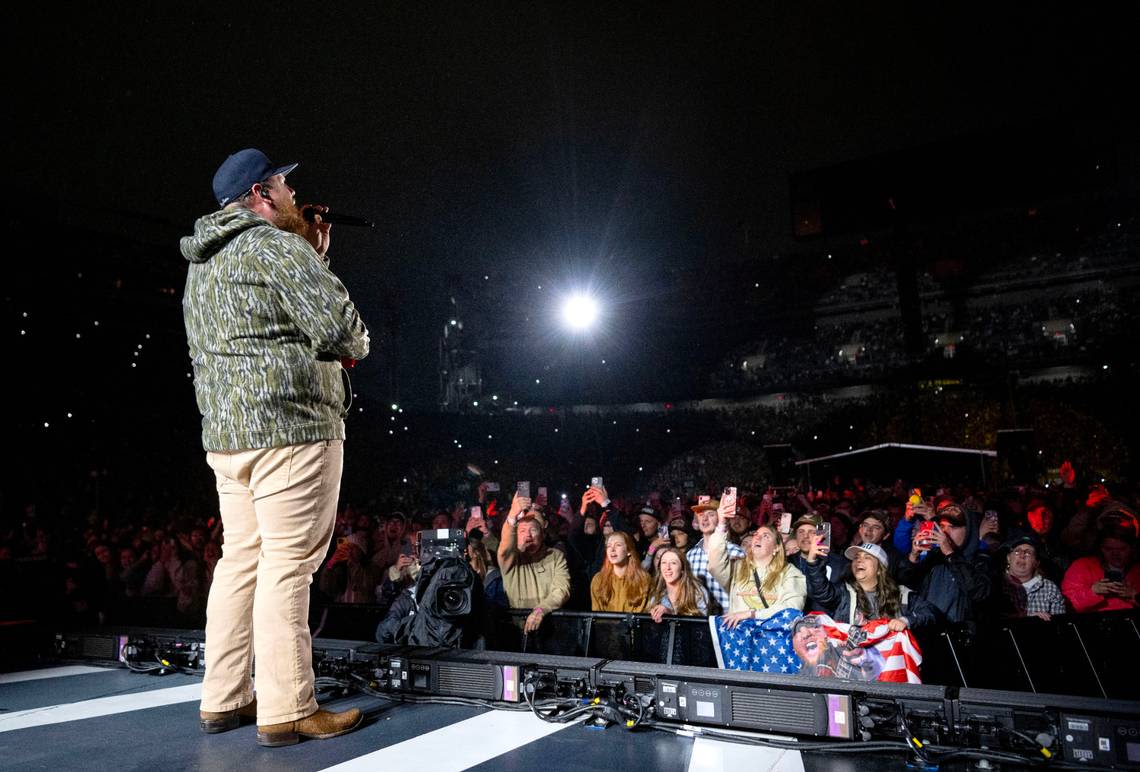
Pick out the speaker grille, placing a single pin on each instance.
(467, 680)
(781, 711)
(100, 647)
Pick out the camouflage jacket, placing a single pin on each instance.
(267, 322)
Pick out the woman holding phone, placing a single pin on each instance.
(866, 590)
(762, 582)
(1108, 580)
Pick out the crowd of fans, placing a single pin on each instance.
(856, 551)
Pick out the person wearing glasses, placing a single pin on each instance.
(1027, 593)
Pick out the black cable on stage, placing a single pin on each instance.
(565, 710)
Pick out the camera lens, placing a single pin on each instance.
(453, 600)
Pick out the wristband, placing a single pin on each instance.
(512, 521)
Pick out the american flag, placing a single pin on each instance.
(764, 646)
(901, 654)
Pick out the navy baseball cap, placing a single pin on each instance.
(241, 171)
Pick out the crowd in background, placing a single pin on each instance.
(961, 553)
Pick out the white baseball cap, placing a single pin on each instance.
(871, 549)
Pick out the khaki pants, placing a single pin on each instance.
(278, 508)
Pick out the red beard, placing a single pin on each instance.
(288, 218)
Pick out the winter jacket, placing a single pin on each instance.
(834, 567)
(1078, 582)
(267, 323)
(839, 600)
(954, 584)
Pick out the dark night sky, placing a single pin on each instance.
(556, 139)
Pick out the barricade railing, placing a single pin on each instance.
(1079, 654)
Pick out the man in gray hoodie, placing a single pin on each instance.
(271, 330)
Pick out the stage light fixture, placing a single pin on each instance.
(579, 312)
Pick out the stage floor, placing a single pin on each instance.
(80, 717)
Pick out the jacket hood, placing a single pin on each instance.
(217, 229)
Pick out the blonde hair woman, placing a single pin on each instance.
(762, 582)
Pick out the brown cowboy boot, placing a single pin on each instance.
(212, 723)
(320, 726)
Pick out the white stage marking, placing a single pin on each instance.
(459, 746)
(102, 706)
(52, 672)
(717, 755)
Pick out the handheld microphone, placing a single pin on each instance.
(333, 218)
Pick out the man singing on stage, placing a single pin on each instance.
(268, 326)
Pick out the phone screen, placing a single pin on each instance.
(1113, 575)
(728, 500)
(785, 522)
(824, 530)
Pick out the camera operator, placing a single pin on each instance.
(445, 604)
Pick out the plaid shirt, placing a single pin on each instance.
(1043, 597)
(699, 562)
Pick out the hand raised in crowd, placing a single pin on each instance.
(533, 620)
(340, 554)
(735, 618)
(659, 543)
(603, 495)
(519, 504)
(944, 542)
(657, 613)
(920, 543)
(591, 495)
(817, 550)
(988, 525)
(920, 509)
(403, 562)
(791, 547)
(725, 512)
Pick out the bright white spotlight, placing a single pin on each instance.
(579, 312)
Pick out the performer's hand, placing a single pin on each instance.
(317, 232)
